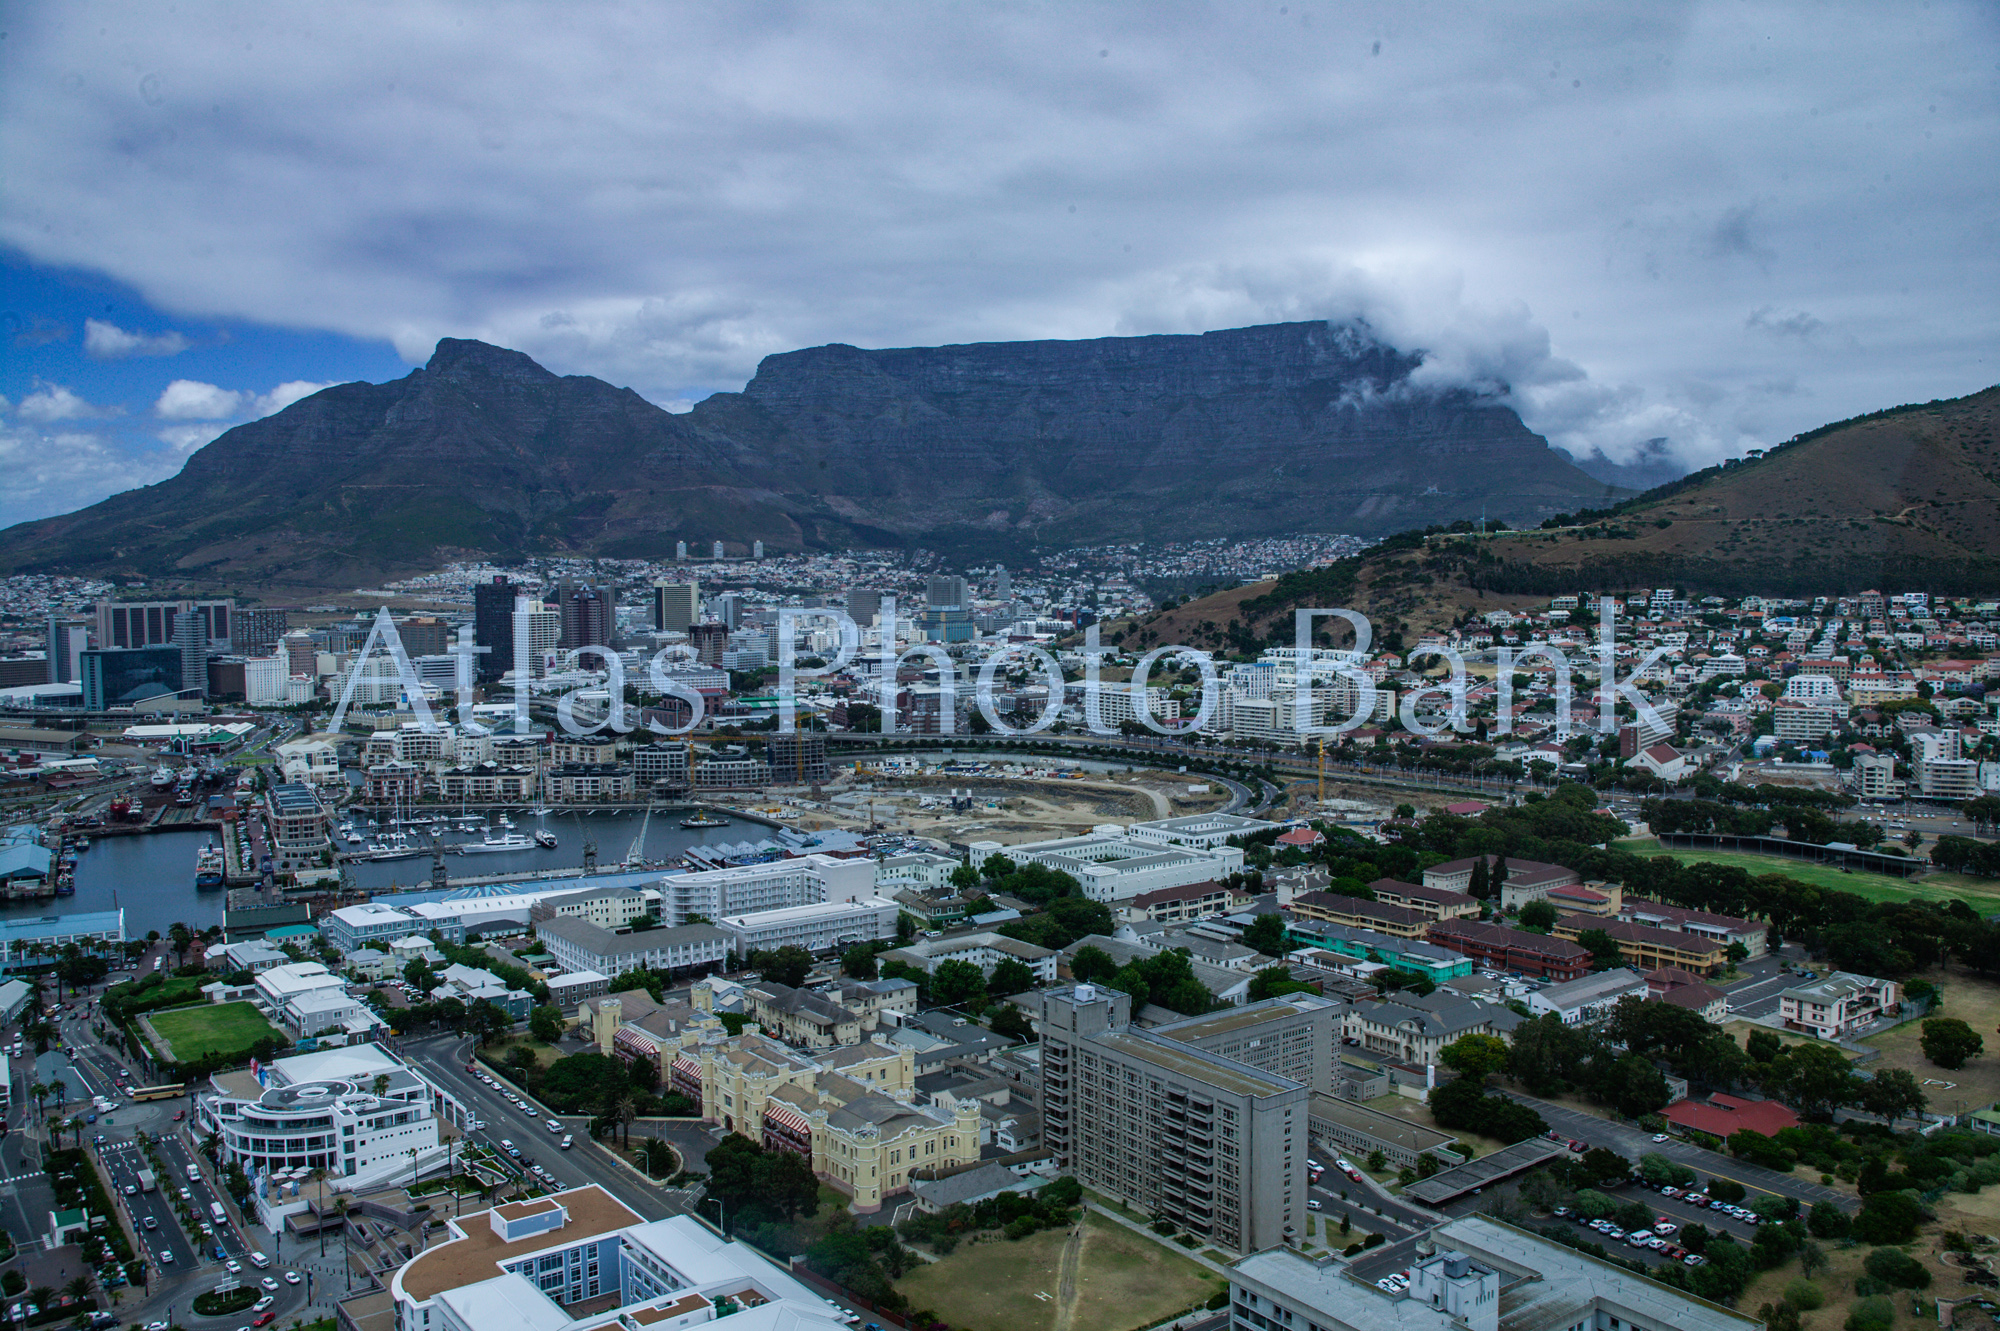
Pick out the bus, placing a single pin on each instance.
(167, 1092)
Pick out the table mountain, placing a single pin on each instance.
(990, 447)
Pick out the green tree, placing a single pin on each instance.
(626, 981)
(858, 962)
(1538, 916)
(788, 965)
(1275, 982)
(1012, 1023)
(1814, 1079)
(1893, 1093)
(1475, 1056)
(957, 983)
(546, 1024)
(1010, 976)
(1603, 948)
(1266, 933)
(1949, 1042)
(1092, 965)
(418, 976)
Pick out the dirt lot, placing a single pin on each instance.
(1113, 1280)
(1973, 1000)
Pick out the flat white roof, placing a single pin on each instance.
(815, 910)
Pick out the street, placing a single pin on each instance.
(1633, 1142)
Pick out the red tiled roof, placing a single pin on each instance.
(1725, 1114)
(1301, 836)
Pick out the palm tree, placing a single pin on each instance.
(80, 1288)
(623, 1110)
(38, 1093)
(382, 1085)
(319, 1176)
(180, 936)
(60, 1090)
(340, 1204)
(42, 1295)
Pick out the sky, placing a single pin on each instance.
(1717, 224)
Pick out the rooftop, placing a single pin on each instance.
(475, 1255)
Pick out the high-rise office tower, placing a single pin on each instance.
(756, 549)
(493, 626)
(588, 615)
(676, 605)
(151, 623)
(258, 632)
(717, 550)
(681, 550)
(67, 641)
(709, 642)
(191, 639)
(941, 591)
(728, 608)
(863, 606)
(1003, 584)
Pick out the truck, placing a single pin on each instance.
(146, 1181)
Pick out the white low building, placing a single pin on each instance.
(824, 927)
(1588, 1000)
(1113, 864)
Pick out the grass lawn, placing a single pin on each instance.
(1983, 893)
(215, 1028)
(1976, 1002)
(1123, 1281)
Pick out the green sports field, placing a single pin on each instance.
(213, 1028)
(1874, 886)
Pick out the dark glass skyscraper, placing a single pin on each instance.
(493, 626)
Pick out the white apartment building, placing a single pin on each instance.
(747, 889)
(1838, 1005)
(1796, 722)
(353, 927)
(265, 681)
(1875, 774)
(823, 927)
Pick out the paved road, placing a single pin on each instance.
(444, 1059)
(1632, 1143)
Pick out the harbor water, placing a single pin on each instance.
(152, 876)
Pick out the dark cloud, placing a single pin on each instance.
(662, 195)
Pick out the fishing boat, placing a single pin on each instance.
(208, 867)
(162, 777)
(505, 841)
(704, 820)
(545, 839)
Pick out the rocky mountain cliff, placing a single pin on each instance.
(991, 447)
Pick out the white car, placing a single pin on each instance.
(261, 1304)
(268, 1283)
(233, 1266)
(293, 1277)
(1386, 1285)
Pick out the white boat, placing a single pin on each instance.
(351, 837)
(508, 841)
(506, 822)
(545, 839)
(162, 777)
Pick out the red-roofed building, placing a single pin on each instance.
(1663, 761)
(1467, 808)
(1302, 837)
(1724, 1114)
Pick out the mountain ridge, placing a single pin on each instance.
(975, 448)
(1904, 498)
